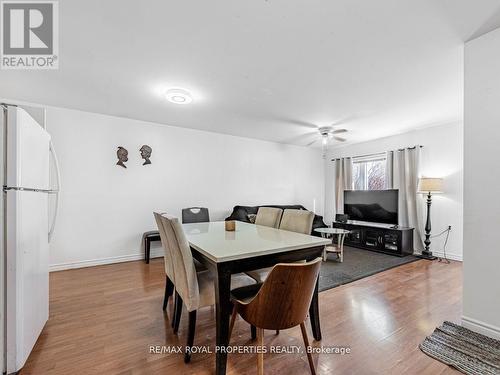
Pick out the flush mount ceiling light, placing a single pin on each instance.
(178, 96)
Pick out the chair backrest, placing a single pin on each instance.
(167, 254)
(186, 280)
(283, 300)
(269, 216)
(195, 215)
(299, 221)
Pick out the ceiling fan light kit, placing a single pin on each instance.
(327, 133)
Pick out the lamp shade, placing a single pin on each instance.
(430, 185)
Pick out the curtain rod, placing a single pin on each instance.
(378, 153)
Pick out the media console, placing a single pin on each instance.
(384, 238)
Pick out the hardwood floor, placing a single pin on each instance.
(104, 319)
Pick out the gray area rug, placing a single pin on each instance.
(467, 351)
(358, 263)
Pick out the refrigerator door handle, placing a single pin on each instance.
(55, 191)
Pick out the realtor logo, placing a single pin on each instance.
(29, 37)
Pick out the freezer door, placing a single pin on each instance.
(27, 275)
(27, 151)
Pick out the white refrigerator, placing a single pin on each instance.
(27, 193)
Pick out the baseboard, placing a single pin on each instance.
(155, 253)
(481, 327)
(448, 255)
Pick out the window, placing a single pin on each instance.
(368, 173)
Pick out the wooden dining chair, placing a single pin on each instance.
(299, 221)
(193, 289)
(269, 216)
(195, 215)
(282, 302)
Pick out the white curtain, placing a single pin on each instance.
(343, 181)
(389, 170)
(405, 174)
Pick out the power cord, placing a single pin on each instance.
(447, 231)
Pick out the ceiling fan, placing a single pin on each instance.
(326, 134)
(323, 134)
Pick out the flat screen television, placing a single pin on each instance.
(375, 206)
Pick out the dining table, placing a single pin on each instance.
(247, 248)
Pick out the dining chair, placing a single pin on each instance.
(268, 217)
(195, 215)
(169, 270)
(282, 302)
(167, 260)
(193, 289)
(299, 221)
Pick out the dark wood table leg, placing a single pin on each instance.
(253, 332)
(147, 249)
(223, 310)
(314, 314)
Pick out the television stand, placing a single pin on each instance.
(384, 238)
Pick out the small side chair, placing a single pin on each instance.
(195, 215)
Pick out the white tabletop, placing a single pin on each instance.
(331, 230)
(249, 240)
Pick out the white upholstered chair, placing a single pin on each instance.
(299, 221)
(269, 217)
(167, 260)
(194, 289)
(169, 269)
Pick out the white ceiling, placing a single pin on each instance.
(271, 70)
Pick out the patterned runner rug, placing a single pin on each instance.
(467, 351)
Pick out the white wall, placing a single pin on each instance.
(481, 303)
(2, 248)
(442, 156)
(105, 209)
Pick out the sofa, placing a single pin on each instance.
(241, 213)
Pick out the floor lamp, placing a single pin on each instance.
(429, 186)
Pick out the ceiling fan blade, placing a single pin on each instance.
(345, 120)
(301, 123)
(308, 134)
(299, 139)
(340, 139)
(306, 125)
(338, 131)
(311, 143)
